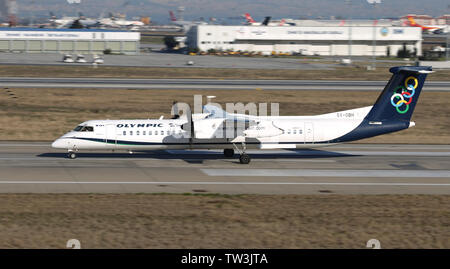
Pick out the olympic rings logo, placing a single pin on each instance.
(407, 92)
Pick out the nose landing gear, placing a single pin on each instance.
(71, 155)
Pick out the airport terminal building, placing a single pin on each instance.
(312, 40)
(84, 41)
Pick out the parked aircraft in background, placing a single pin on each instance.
(186, 25)
(119, 22)
(436, 29)
(267, 21)
(82, 22)
(67, 22)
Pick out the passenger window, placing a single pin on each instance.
(137, 132)
(162, 132)
(149, 132)
(294, 132)
(131, 132)
(289, 132)
(124, 132)
(156, 132)
(144, 133)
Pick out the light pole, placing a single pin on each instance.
(374, 40)
(446, 42)
(349, 3)
(447, 29)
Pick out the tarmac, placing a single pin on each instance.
(34, 167)
(206, 84)
(160, 59)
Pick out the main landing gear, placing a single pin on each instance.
(243, 158)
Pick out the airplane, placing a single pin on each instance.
(119, 22)
(61, 22)
(186, 25)
(391, 112)
(435, 29)
(266, 22)
(65, 22)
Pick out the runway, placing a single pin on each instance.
(206, 84)
(27, 167)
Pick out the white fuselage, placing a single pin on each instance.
(268, 133)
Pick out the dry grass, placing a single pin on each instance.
(217, 221)
(45, 114)
(341, 73)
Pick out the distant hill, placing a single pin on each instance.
(194, 9)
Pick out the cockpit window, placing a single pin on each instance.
(78, 128)
(84, 129)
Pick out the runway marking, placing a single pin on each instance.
(322, 152)
(229, 183)
(326, 173)
(391, 153)
(294, 160)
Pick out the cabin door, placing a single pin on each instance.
(309, 132)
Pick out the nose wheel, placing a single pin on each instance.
(71, 155)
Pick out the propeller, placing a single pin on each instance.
(189, 125)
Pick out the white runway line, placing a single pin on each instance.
(323, 152)
(327, 173)
(391, 153)
(230, 183)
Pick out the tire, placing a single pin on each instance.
(244, 159)
(228, 153)
(72, 155)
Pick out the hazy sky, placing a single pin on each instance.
(194, 9)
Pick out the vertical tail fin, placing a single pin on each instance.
(411, 21)
(266, 21)
(172, 16)
(394, 107)
(249, 18)
(399, 97)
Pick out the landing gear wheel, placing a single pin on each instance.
(244, 159)
(228, 152)
(72, 155)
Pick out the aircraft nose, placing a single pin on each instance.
(58, 144)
